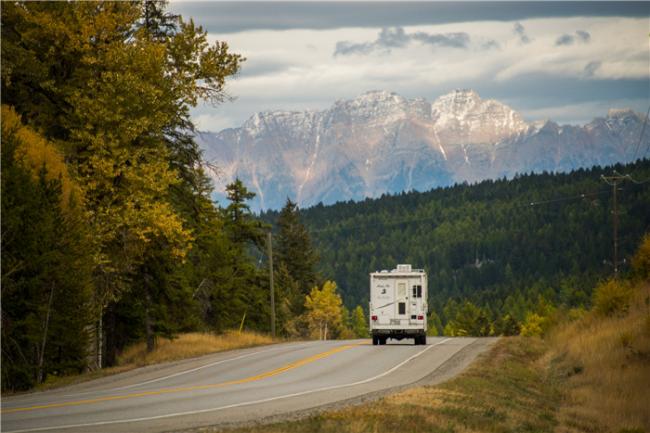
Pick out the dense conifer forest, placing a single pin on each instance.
(509, 247)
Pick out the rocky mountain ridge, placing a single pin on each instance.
(381, 142)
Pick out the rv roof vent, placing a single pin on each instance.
(403, 268)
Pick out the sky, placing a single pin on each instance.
(565, 61)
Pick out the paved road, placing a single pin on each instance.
(231, 387)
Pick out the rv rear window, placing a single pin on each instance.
(417, 291)
(402, 307)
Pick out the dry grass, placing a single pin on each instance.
(606, 361)
(182, 347)
(190, 345)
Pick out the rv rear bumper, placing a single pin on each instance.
(404, 333)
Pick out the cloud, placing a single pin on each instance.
(344, 48)
(591, 68)
(579, 36)
(521, 32)
(389, 38)
(261, 66)
(393, 38)
(455, 40)
(295, 69)
(491, 44)
(233, 17)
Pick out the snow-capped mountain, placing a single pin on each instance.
(381, 142)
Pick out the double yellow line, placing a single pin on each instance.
(257, 377)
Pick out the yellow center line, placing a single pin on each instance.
(257, 377)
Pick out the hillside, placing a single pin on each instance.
(501, 244)
(381, 142)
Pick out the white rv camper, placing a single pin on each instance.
(398, 305)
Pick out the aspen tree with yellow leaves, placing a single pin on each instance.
(324, 311)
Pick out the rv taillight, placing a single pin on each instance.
(420, 317)
(374, 318)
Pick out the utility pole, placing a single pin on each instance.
(614, 180)
(269, 242)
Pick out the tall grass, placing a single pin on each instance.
(606, 358)
(190, 345)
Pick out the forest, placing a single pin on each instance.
(109, 232)
(495, 251)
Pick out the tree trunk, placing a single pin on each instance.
(41, 358)
(151, 339)
(100, 340)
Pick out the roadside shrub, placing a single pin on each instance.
(612, 298)
(533, 326)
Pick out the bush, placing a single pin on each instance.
(533, 326)
(612, 298)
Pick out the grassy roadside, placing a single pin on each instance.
(184, 346)
(589, 375)
(606, 359)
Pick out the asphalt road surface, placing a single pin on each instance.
(236, 386)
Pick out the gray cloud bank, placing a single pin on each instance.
(520, 31)
(396, 37)
(579, 36)
(231, 17)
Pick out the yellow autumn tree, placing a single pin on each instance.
(35, 153)
(323, 310)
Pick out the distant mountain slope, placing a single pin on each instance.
(381, 142)
(485, 242)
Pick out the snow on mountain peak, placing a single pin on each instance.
(467, 118)
(620, 112)
(382, 142)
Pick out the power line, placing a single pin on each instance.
(613, 181)
(630, 178)
(561, 199)
(423, 219)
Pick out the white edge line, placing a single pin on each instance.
(180, 373)
(231, 406)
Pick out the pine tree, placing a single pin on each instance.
(434, 324)
(295, 252)
(45, 306)
(359, 323)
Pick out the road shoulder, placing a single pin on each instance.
(451, 367)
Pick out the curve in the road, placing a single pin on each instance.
(189, 401)
(257, 377)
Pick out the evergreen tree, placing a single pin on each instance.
(295, 252)
(434, 324)
(46, 307)
(359, 323)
